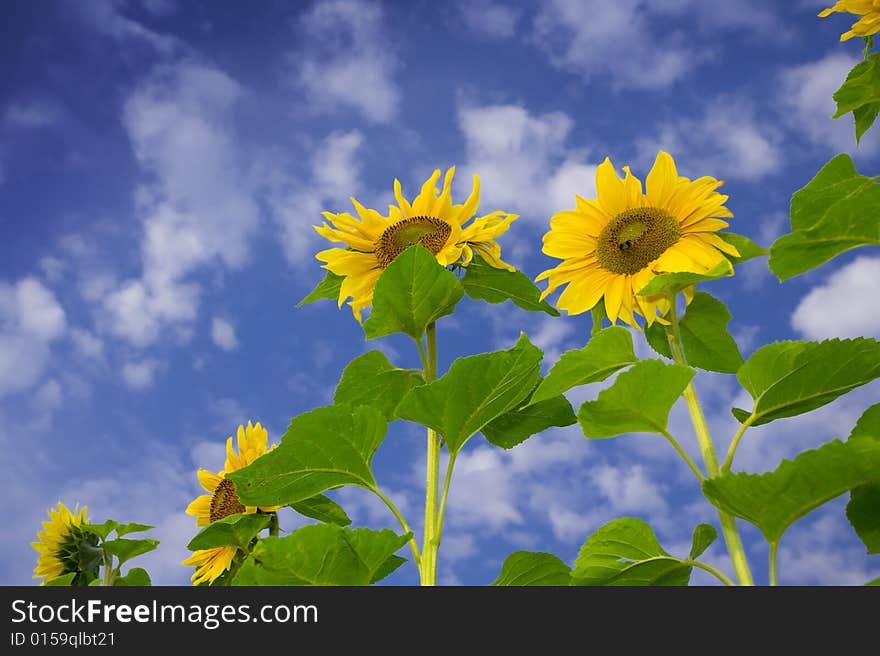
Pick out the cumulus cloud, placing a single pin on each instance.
(346, 60)
(139, 375)
(223, 334)
(30, 320)
(840, 307)
(489, 18)
(524, 162)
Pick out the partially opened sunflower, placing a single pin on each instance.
(59, 544)
(374, 240)
(612, 246)
(867, 10)
(223, 501)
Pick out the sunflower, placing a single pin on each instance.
(868, 10)
(614, 245)
(59, 544)
(223, 501)
(434, 222)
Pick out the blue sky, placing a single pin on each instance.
(161, 166)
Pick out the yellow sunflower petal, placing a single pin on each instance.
(609, 186)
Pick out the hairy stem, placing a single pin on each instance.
(773, 547)
(432, 477)
(734, 443)
(412, 541)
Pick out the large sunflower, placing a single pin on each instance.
(868, 10)
(431, 220)
(223, 501)
(59, 543)
(614, 245)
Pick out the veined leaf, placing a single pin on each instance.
(327, 288)
(672, 283)
(413, 291)
(483, 282)
(830, 215)
(775, 500)
(607, 352)
(474, 391)
(137, 576)
(626, 552)
(639, 401)
(790, 378)
(707, 344)
(321, 450)
(125, 549)
(372, 380)
(746, 247)
(860, 93)
(516, 426)
(231, 531)
(528, 568)
(65, 580)
(863, 509)
(322, 554)
(704, 536)
(323, 509)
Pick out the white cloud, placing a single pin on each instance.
(86, 343)
(489, 18)
(347, 60)
(628, 489)
(47, 397)
(107, 17)
(223, 334)
(805, 94)
(841, 307)
(139, 375)
(727, 140)
(199, 209)
(523, 161)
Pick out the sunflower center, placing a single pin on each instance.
(430, 232)
(225, 501)
(635, 238)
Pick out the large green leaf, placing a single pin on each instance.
(860, 94)
(639, 401)
(790, 378)
(746, 247)
(371, 379)
(626, 552)
(607, 352)
(707, 344)
(321, 450)
(323, 509)
(327, 288)
(474, 391)
(529, 568)
(672, 283)
(106, 528)
(775, 500)
(125, 549)
(863, 509)
(137, 576)
(516, 426)
(322, 554)
(483, 282)
(231, 531)
(413, 291)
(835, 212)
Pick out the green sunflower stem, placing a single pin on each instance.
(728, 522)
(432, 480)
(108, 569)
(273, 525)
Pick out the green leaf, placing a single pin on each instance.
(125, 529)
(137, 576)
(704, 536)
(607, 352)
(863, 509)
(321, 450)
(483, 282)
(125, 549)
(775, 500)
(829, 216)
(626, 552)
(101, 530)
(516, 426)
(704, 335)
(323, 509)
(322, 554)
(232, 531)
(372, 380)
(327, 288)
(672, 283)
(874, 582)
(413, 291)
(474, 391)
(746, 247)
(65, 580)
(790, 378)
(860, 94)
(529, 568)
(639, 401)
